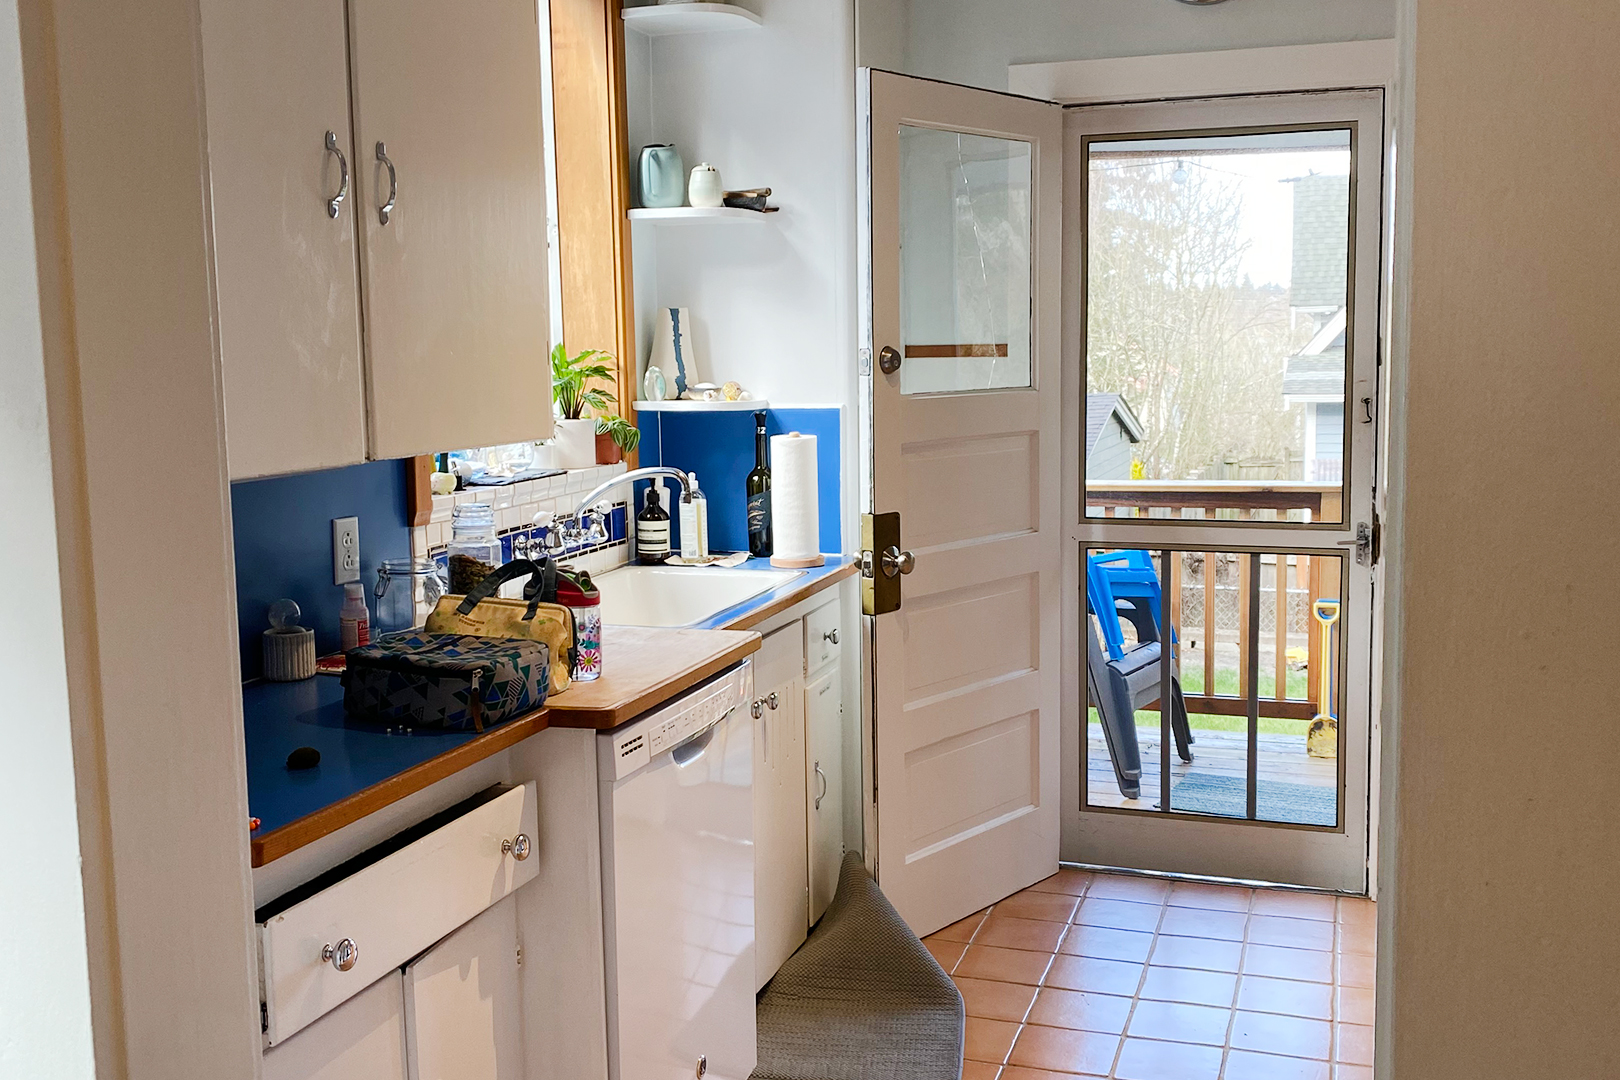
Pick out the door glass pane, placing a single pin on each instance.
(1261, 630)
(1217, 286)
(965, 231)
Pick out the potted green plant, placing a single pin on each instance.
(615, 437)
(572, 393)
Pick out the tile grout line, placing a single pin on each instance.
(1141, 983)
(1237, 983)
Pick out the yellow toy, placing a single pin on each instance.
(1322, 737)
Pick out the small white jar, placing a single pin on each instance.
(703, 189)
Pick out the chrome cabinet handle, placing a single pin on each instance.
(823, 778)
(773, 701)
(336, 201)
(757, 709)
(393, 185)
(517, 847)
(343, 956)
(831, 635)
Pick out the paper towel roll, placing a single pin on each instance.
(795, 498)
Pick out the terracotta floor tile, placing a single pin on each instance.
(1004, 965)
(1053, 907)
(1019, 1072)
(1355, 1044)
(988, 1040)
(1246, 1065)
(1356, 969)
(1192, 987)
(1355, 939)
(1202, 953)
(960, 931)
(1143, 890)
(1178, 1022)
(1275, 962)
(1147, 1059)
(979, 1070)
(1203, 923)
(1292, 1036)
(1055, 1007)
(1296, 905)
(1105, 943)
(1355, 1005)
(1070, 882)
(1098, 976)
(1060, 1050)
(1195, 894)
(1354, 911)
(1352, 1072)
(1118, 914)
(1292, 933)
(996, 1000)
(1286, 996)
(1008, 932)
(948, 953)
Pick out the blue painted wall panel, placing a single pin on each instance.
(283, 533)
(719, 447)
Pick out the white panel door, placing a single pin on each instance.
(824, 783)
(455, 277)
(464, 1005)
(963, 256)
(362, 1039)
(279, 154)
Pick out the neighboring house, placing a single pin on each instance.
(1111, 430)
(1314, 377)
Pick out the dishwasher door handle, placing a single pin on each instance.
(690, 750)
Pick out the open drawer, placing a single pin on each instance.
(328, 940)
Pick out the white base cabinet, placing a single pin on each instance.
(464, 1003)
(824, 785)
(362, 1039)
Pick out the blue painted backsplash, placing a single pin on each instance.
(283, 533)
(719, 447)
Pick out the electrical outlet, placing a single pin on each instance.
(345, 550)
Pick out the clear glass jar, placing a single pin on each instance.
(406, 591)
(474, 551)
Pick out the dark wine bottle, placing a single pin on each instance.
(652, 531)
(759, 495)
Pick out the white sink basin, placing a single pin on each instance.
(680, 595)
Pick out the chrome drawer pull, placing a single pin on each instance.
(393, 185)
(831, 635)
(517, 847)
(343, 956)
(336, 201)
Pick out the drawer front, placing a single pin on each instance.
(392, 910)
(779, 661)
(821, 637)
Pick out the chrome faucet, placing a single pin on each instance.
(588, 523)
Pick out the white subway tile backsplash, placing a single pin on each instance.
(503, 497)
(442, 505)
(419, 542)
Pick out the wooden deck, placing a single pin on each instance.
(1282, 758)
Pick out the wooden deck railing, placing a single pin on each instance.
(1240, 500)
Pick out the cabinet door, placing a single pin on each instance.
(277, 79)
(781, 915)
(464, 1005)
(362, 1039)
(455, 280)
(824, 786)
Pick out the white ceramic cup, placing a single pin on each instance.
(703, 189)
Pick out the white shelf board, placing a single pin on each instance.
(697, 215)
(657, 20)
(702, 406)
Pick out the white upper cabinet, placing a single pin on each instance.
(455, 277)
(289, 308)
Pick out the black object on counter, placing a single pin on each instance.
(759, 495)
(652, 531)
(305, 757)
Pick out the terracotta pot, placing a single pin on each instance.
(607, 451)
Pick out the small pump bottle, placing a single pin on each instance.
(695, 524)
(354, 618)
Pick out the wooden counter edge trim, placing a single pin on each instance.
(604, 718)
(329, 819)
(782, 603)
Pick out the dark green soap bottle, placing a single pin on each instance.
(759, 494)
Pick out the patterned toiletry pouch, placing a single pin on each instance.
(446, 682)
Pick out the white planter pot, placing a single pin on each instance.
(575, 441)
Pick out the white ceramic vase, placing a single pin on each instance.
(703, 189)
(575, 442)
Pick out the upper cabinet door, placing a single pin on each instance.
(279, 147)
(447, 109)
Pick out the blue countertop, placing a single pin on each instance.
(363, 767)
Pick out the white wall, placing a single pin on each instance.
(45, 1031)
(973, 42)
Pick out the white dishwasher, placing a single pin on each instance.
(677, 813)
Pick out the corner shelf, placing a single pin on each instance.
(656, 20)
(702, 406)
(686, 215)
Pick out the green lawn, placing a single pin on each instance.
(1226, 681)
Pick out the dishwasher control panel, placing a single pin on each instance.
(639, 741)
